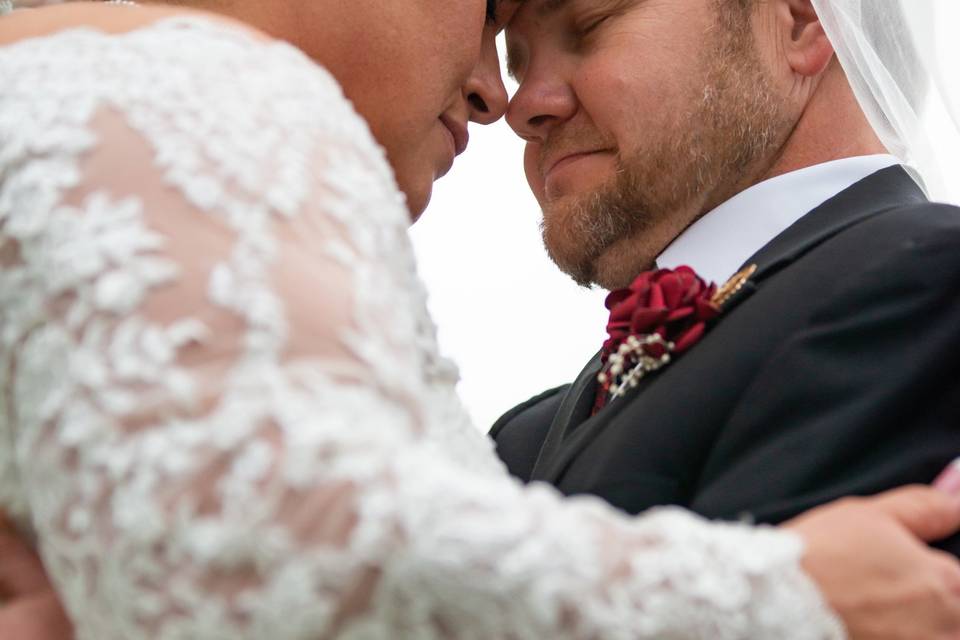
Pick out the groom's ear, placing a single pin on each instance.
(804, 42)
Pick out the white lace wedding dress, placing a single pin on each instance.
(223, 414)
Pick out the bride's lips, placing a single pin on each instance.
(461, 137)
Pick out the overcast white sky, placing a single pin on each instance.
(513, 323)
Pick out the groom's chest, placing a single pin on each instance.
(652, 447)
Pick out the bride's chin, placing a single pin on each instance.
(417, 201)
(415, 178)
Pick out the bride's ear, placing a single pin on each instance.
(804, 42)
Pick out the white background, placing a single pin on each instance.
(508, 317)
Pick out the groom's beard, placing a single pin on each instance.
(736, 120)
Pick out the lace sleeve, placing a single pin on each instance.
(223, 411)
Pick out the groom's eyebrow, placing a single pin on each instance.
(514, 62)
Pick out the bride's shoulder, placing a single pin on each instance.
(204, 48)
(87, 38)
(103, 17)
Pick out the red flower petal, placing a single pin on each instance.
(641, 282)
(673, 289)
(616, 297)
(609, 346)
(655, 350)
(707, 310)
(693, 290)
(644, 320)
(618, 330)
(656, 300)
(679, 314)
(690, 337)
(624, 310)
(642, 290)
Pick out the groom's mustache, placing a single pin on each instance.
(569, 141)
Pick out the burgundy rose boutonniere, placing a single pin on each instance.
(660, 316)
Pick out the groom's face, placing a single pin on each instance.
(639, 115)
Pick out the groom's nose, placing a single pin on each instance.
(539, 106)
(484, 90)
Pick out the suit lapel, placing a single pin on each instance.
(574, 410)
(884, 190)
(573, 428)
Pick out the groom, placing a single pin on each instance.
(723, 134)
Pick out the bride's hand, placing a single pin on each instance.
(29, 607)
(884, 583)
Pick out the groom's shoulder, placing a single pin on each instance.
(902, 257)
(540, 401)
(919, 219)
(910, 236)
(520, 432)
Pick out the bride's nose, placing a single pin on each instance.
(484, 91)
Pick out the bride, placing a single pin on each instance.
(223, 409)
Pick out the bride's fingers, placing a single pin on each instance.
(38, 617)
(930, 514)
(21, 571)
(949, 479)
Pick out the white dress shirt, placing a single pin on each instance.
(720, 242)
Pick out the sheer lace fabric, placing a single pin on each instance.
(223, 410)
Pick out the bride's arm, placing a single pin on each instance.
(222, 390)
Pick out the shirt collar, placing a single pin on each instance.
(720, 242)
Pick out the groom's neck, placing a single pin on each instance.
(832, 127)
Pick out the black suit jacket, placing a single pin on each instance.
(835, 371)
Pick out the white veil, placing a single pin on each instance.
(902, 58)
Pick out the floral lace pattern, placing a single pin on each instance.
(223, 412)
